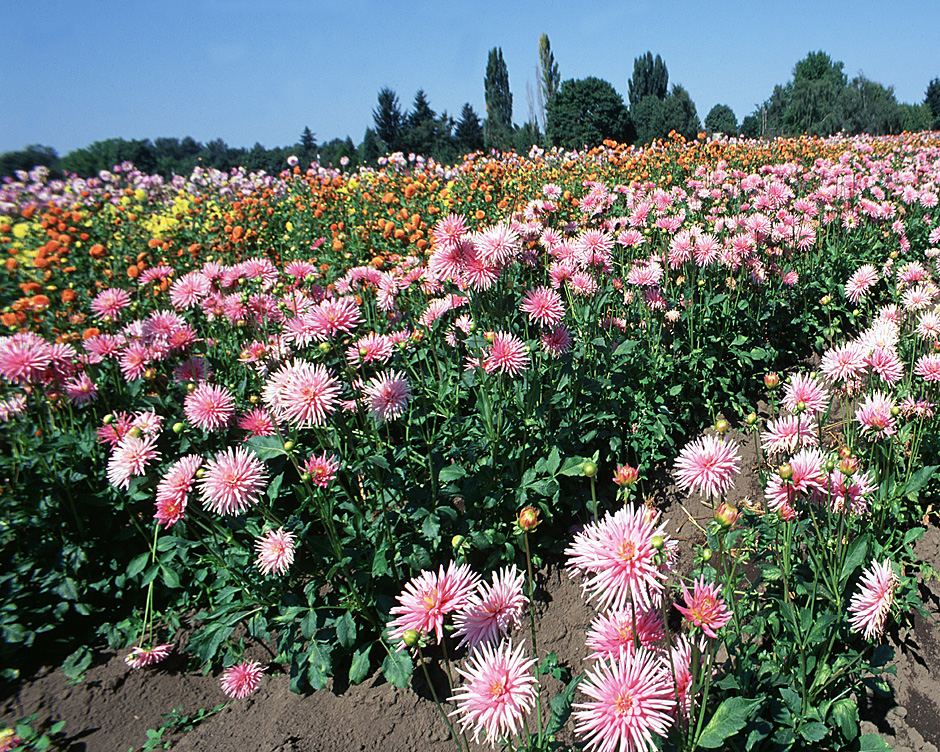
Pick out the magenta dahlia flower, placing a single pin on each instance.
(242, 679)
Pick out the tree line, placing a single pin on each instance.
(819, 100)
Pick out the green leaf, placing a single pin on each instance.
(318, 656)
(137, 564)
(75, 665)
(791, 699)
(451, 473)
(872, 743)
(274, 487)
(625, 348)
(346, 630)
(359, 668)
(729, 719)
(854, 557)
(813, 731)
(845, 716)
(915, 533)
(266, 447)
(397, 668)
(170, 578)
(561, 708)
(919, 481)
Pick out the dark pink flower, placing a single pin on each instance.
(242, 679)
(704, 607)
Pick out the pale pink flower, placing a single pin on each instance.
(844, 363)
(257, 422)
(24, 358)
(804, 394)
(498, 692)
(388, 394)
(333, 316)
(543, 305)
(142, 657)
(242, 679)
(134, 360)
(302, 393)
(497, 244)
(209, 406)
(928, 367)
(885, 362)
(174, 488)
(631, 696)
(428, 597)
(704, 607)
(876, 416)
(860, 283)
(707, 466)
(373, 348)
(928, 325)
(871, 605)
(130, 458)
(232, 481)
(788, 434)
(321, 469)
(613, 631)
(492, 610)
(507, 355)
(617, 556)
(275, 551)
(109, 303)
(449, 230)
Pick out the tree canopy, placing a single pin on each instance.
(586, 111)
(650, 78)
(497, 131)
(720, 119)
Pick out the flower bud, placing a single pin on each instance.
(457, 541)
(721, 426)
(178, 428)
(589, 469)
(253, 399)
(410, 638)
(785, 471)
(825, 300)
(325, 347)
(657, 542)
(848, 466)
(135, 432)
(288, 445)
(626, 476)
(771, 380)
(108, 419)
(489, 336)
(726, 515)
(706, 554)
(845, 452)
(528, 519)
(751, 419)
(190, 387)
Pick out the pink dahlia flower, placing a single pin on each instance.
(704, 607)
(388, 395)
(428, 597)
(871, 605)
(242, 679)
(232, 481)
(708, 466)
(209, 406)
(142, 657)
(275, 551)
(493, 610)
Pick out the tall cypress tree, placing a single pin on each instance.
(650, 78)
(497, 131)
(550, 79)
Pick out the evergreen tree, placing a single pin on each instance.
(389, 122)
(750, 126)
(650, 78)
(308, 140)
(816, 96)
(721, 119)
(468, 133)
(497, 131)
(34, 155)
(421, 129)
(915, 117)
(654, 118)
(932, 100)
(371, 148)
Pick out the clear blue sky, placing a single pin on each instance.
(77, 71)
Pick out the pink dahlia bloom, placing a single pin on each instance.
(109, 303)
(174, 489)
(617, 556)
(556, 342)
(81, 390)
(333, 316)
(428, 597)
(373, 348)
(631, 697)
(388, 395)
(871, 605)
(885, 362)
(704, 607)
(614, 631)
(24, 358)
(302, 393)
(257, 422)
(507, 355)
(492, 610)
(543, 306)
(876, 415)
(499, 691)
(142, 657)
(497, 244)
(788, 434)
(322, 469)
(130, 459)
(860, 283)
(803, 390)
(928, 367)
(209, 406)
(708, 466)
(679, 666)
(275, 551)
(232, 482)
(844, 363)
(242, 679)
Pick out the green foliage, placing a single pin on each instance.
(654, 118)
(34, 155)
(497, 130)
(932, 101)
(650, 79)
(871, 108)
(585, 112)
(388, 119)
(720, 119)
(468, 133)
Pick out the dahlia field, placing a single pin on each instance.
(345, 415)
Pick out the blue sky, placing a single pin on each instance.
(73, 72)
